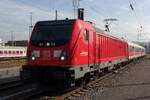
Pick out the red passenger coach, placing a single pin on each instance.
(64, 53)
(12, 52)
(135, 51)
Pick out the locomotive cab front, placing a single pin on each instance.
(49, 54)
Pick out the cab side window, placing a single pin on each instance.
(86, 35)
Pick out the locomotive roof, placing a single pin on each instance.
(108, 35)
(54, 22)
(135, 45)
(102, 32)
(69, 21)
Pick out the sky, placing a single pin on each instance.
(15, 16)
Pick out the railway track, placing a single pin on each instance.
(20, 92)
(16, 90)
(8, 83)
(78, 92)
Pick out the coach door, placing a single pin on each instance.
(91, 48)
(94, 48)
(87, 39)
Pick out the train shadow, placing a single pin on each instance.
(126, 85)
(139, 98)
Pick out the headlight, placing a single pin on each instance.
(63, 55)
(33, 54)
(62, 58)
(33, 58)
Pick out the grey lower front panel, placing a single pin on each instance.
(52, 77)
(80, 70)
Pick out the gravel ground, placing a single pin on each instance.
(9, 72)
(12, 63)
(133, 83)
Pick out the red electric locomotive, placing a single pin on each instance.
(63, 53)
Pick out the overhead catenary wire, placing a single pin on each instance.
(137, 19)
(134, 12)
(99, 12)
(132, 8)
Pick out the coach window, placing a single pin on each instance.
(17, 52)
(13, 52)
(9, 52)
(1, 52)
(5, 52)
(21, 52)
(86, 35)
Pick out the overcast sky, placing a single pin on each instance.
(15, 15)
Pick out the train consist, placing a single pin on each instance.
(64, 53)
(12, 52)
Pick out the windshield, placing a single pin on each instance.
(51, 35)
